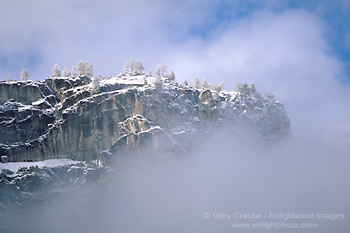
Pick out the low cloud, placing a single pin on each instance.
(224, 176)
(282, 52)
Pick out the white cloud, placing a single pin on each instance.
(284, 53)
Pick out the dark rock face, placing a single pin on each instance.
(34, 186)
(59, 117)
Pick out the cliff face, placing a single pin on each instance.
(73, 118)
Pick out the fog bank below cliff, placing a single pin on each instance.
(225, 176)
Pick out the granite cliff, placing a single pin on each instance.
(66, 117)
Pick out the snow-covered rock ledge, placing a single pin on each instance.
(80, 117)
(14, 166)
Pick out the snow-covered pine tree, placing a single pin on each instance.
(242, 87)
(83, 68)
(134, 66)
(195, 83)
(75, 72)
(56, 72)
(79, 69)
(138, 67)
(95, 85)
(205, 85)
(24, 75)
(88, 69)
(221, 85)
(161, 69)
(127, 66)
(252, 88)
(66, 72)
(214, 88)
(172, 75)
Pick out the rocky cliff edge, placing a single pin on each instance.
(65, 117)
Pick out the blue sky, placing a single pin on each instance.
(284, 47)
(39, 34)
(297, 50)
(334, 14)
